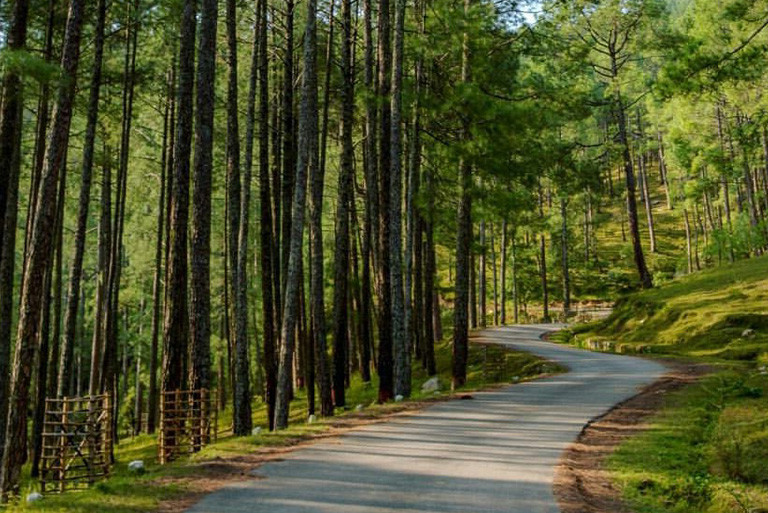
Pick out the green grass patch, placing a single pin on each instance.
(125, 492)
(718, 314)
(705, 452)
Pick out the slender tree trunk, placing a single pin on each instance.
(400, 336)
(76, 269)
(463, 241)
(288, 155)
(176, 325)
(564, 258)
(346, 183)
(629, 175)
(503, 273)
(152, 402)
(482, 290)
(268, 264)
(200, 243)
(11, 118)
(238, 232)
(386, 363)
(370, 162)
(307, 162)
(39, 256)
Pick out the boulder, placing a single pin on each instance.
(748, 333)
(256, 431)
(34, 497)
(398, 398)
(431, 385)
(137, 466)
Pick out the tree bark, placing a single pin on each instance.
(11, 119)
(463, 241)
(176, 323)
(76, 269)
(307, 159)
(200, 243)
(346, 177)
(385, 363)
(400, 335)
(39, 255)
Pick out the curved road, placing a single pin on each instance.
(496, 453)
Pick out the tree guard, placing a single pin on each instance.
(188, 422)
(77, 442)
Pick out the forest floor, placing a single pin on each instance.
(171, 487)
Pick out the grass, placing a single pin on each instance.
(707, 449)
(706, 452)
(717, 314)
(125, 492)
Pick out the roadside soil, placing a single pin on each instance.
(582, 484)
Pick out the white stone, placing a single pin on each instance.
(256, 431)
(136, 466)
(312, 419)
(748, 333)
(398, 398)
(34, 497)
(359, 407)
(431, 385)
(515, 378)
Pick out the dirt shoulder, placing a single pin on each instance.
(582, 484)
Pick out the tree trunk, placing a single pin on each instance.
(386, 372)
(307, 163)
(176, 323)
(463, 241)
(152, 402)
(39, 256)
(200, 243)
(400, 336)
(76, 269)
(482, 291)
(503, 273)
(564, 258)
(11, 119)
(289, 156)
(268, 264)
(346, 178)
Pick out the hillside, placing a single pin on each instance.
(719, 313)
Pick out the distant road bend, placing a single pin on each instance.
(496, 453)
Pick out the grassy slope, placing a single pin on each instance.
(702, 315)
(128, 493)
(707, 450)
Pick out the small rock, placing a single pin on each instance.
(34, 497)
(359, 407)
(398, 398)
(515, 378)
(312, 419)
(256, 431)
(431, 385)
(748, 333)
(136, 466)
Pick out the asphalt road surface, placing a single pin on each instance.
(495, 453)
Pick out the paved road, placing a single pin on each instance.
(496, 453)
